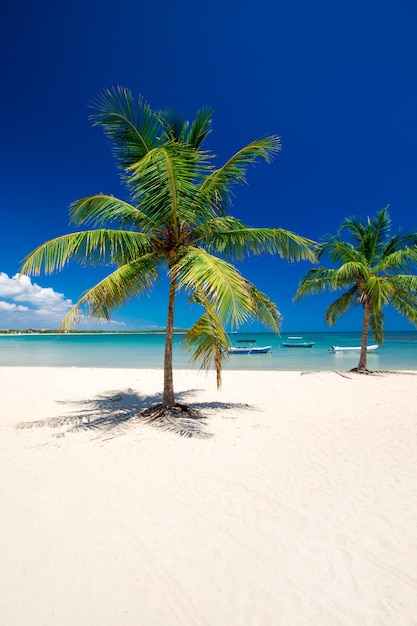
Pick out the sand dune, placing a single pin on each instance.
(294, 502)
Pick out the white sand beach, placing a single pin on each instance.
(294, 503)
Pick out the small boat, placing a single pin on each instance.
(297, 342)
(353, 348)
(248, 347)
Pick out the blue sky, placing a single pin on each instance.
(335, 80)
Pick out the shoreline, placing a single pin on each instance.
(294, 501)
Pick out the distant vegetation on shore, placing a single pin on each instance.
(49, 331)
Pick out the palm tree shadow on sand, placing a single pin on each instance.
(113, 413)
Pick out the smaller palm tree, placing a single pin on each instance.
(374, 271)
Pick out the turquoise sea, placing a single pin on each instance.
(399, 351)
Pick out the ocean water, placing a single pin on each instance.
(399, 351)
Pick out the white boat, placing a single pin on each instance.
(249, 347)
(353, 348)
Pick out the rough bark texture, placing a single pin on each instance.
(168, 397)
(362, 367)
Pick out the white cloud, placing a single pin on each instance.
(9, 306)
(38, 298)
(25, 304)
(23, 290)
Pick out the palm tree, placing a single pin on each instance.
(374, 271)
(176, 223)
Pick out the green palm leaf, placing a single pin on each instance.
(164, 182)
(318, 280)
(376, 324)
(216, 188)
(340, 306)
(398, 260)
(339, 251)
(370, 237)
(93, 247)
(265, 310)
(200, 127)
(374, 290)
(100, 210)
(133, 129)
(174, 125)
(208, 341)
(352, 271)
(180, 131)
(404, 296)
(221, 283)
(230, 237)
(113, 291)
(400, 241)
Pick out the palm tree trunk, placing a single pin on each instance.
(364, 341)
(168, 397)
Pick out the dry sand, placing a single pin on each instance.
(293, 503)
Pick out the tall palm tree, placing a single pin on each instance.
(374, 270)
(177, 223)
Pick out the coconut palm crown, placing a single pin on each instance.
(374, 270)
(176, 223)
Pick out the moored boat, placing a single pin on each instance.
(248, 347)
(371, 348)
(297, 342)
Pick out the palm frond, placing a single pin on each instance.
(216, 188)
(404, 300)
(116, 289)
(379, 228)
(181, 131)
(319, 279)
(218, 282)
(228, 236)
(232, 239)
(200, 128)
(208, 341)
(290, 246)
(164, 183)
(400, 241)
(101, 209)
(376, 324)
(377, 291)
(265, 310)
(90, 247)
(174, 125)
(338, 251)
(403, 283)
(340, 306)
(352, 271)
(134, 129)
(402, 259)
(356, 229)
(204, 232)
(370, 238)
